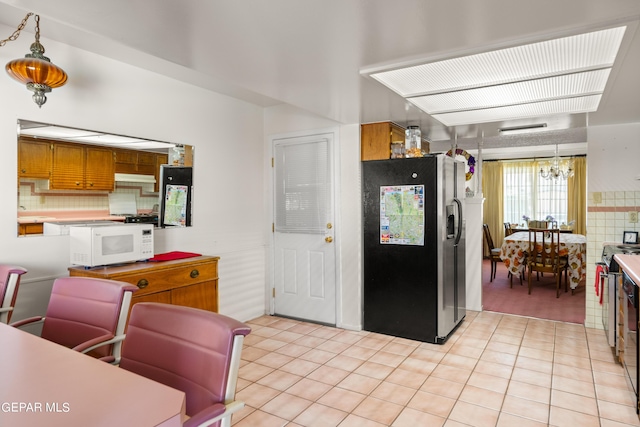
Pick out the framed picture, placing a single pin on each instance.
(630, 237)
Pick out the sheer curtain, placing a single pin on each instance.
(577, 195)
(527, 194)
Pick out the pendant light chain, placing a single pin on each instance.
(16, 33)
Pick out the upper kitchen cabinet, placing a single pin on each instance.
(376, 139)
(34, 158)
(136, 162)
(78, 167)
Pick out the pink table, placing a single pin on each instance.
(574, 246)
(46, 384)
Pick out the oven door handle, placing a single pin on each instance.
(602, 273)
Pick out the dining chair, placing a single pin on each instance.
(544, 255)
(189, 349)
(494, 253)
(507, 229)
(9, 283)
(88, 315)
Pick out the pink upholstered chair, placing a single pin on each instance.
(192, 350)
(88, 315)
(9, 283)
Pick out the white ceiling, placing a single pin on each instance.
(310, 53)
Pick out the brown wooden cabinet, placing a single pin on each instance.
(30, 228)
(192, 281)
(376, 139)
(34, 158)
(78, 167)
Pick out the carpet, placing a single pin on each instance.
(541, 304)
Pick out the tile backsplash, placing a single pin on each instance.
(609, 215)
(34, 195)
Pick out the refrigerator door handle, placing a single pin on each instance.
(459, 231)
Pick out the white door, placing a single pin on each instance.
(304, 251)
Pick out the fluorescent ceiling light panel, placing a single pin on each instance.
(583, 104)
(567, 67)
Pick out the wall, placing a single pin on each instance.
(613, 191)
(107, 95)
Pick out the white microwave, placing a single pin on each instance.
(93, 245)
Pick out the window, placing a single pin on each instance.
(526, 193)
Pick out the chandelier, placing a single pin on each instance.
(557, 168)
(35, 70)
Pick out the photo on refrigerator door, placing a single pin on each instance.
(402, 215)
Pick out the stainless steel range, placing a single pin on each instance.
(610, 299)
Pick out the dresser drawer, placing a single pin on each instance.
(161, 280)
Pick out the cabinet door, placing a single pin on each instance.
(68, 167)
(34, 159)
(202, 295)
(161, 159)
(99, 169)
(126, 161)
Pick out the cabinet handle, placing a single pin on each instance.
(91, 184)
(194, 273)
(143, 283)
(77, 183)
(24, 171)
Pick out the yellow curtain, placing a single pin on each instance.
(492, 182)
(576, 194)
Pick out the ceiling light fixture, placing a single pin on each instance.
(567, 75)
(525, 128)
(557, 168)
(35, 70)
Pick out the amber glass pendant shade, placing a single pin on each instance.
(35, 70)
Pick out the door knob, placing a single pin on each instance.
(329, 226)
(328, 239)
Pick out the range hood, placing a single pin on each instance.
(132, 177)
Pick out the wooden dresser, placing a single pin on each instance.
(191, 281)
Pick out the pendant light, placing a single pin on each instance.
(35, 70)
(557, 168)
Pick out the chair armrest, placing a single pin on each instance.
(213, 414)
(27, 321)
(6, 309)
(93, 343)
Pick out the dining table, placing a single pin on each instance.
(574, 246)
(46, 384)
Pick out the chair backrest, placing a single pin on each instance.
(84, 308)
(189, 349)
(487, 236)
(544, 246)
(9, 283)
(507, 229)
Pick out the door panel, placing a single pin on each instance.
(304, 251)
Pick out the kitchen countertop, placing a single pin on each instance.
(35, 217)
(631, 265)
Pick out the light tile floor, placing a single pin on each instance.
(495, 370)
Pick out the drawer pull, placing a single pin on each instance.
(143, 283)
(194, 273)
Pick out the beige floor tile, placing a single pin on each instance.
(254, 371)
(262, 419)
(362, 353)
(569, 385)
(287, 336)
(333, 346)
(293, 350)
(531, 377)
(253, 353)
(576, 362)
(372, 343)
(616, 412)
(356, 421)
(506, 338)
(503, 347)
(309, 341)
(482, 397)
(359, 383)
(279, 380)
(318, 415)
(497, 357)
(535, 353)
(344, 362)
(348, 337)
(325, 332)
(286, 406)
(427, 354)
(318, 356)
(442, 387)
(309, 389)
(534, 365)
(432, 403)
(393, 393)
(401, 349)
(378, 410)
(451, 373)
(574, 402)
(418, 366)
(573, 372)
(529, 391)
(389, 359)
(328, 375)
(566, 417)
(300, 367)
(303, 328)
(473, 415)
(495, 369)
(457, 361)
(344, 400)
(265, 332)
(508, 420)
(374, 370)
(256, 395)
(413, 418)
(615, 395)
(614, 381)
(488, 382)
(406, 378)
(274, 360)
(526, 408)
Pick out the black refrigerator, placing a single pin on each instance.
(414, 247)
